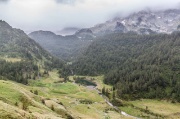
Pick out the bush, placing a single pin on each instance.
(16, 104)
(116, 102)
(25, 102)
(85, 101)
(43, 101)
(36, 92)
(52, 107)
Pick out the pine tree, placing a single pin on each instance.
(103, 90)
(114, 95)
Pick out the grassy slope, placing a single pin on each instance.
(167, 109)
(160, 108)
(11, 59)
(69, 94)
(11, 93)
(56, 94)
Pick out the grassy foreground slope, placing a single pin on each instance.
(17, 102)
(66, 99)
(47, 98)
(71, 95)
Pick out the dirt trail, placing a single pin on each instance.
(116, 108)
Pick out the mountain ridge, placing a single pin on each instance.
(15, 41)
(142, 22)
(65, 47)
(21, 57)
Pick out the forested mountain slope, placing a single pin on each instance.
(20, 56)
(138, 66)
(15, 43)
(64, 47)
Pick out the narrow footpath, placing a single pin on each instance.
(116, 108)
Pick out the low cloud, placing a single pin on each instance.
(4, 0)
(66, 1)
(53, 15)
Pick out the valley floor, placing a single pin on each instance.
(49, 98)
(145, 108)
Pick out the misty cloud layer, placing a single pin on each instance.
(66, 1)
(54, 15)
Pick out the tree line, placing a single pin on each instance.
(18, 71)
(139, 66)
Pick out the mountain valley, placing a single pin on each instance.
(125, 68)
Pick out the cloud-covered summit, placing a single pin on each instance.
(54, 15)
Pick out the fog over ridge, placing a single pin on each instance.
(54, 15)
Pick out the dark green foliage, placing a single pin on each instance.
(14, 43)
(107, 93)
(43, 101)
(60, 103)
(139, 66)
(52, 107)
(36, 92)
(65, 72)
(117, 102)
(25, 102)
(18, 71)
(54, 63)
(16, 104)
(113, 95)
(84, 81)
(85, 101)
(109, 109)
(103, 90)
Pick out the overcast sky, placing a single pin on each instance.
(54, 15)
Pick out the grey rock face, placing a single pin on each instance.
(143, 22)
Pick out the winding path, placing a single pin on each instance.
(116, 108)
(109, 103)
